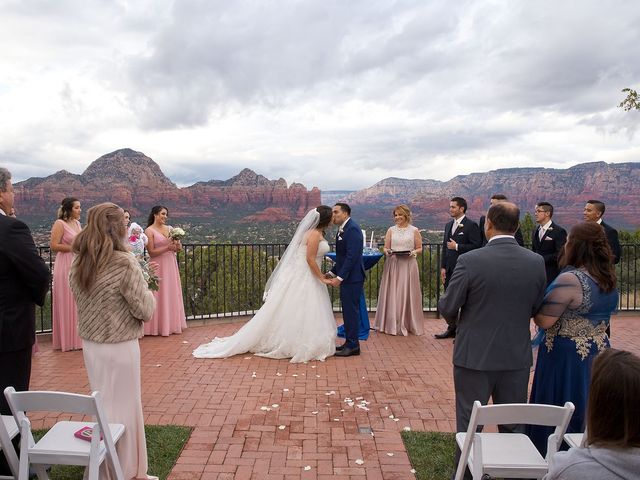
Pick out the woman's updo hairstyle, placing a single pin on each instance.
(66, 207)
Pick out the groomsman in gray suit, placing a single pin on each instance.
(493, 292)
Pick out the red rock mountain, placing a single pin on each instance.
(616, 184)
(135, 181)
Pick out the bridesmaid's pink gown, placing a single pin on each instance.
(65, 316)
(168, 317)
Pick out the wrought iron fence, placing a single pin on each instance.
(225, 280)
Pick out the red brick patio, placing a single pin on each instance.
(269, 419)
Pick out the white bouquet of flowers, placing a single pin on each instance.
(177, 234)
(149, 272)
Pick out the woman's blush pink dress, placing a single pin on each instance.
(168, 317)
(65, 316)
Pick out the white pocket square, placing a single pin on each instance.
(460, 233)
(548, 238)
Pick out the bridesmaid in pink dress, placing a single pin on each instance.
(65, 316)
(169, 316)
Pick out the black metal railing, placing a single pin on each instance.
(224, 280)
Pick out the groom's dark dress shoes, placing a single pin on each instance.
(347, 352)
(449, 333)
(339, 347)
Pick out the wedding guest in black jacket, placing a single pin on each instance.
(593, 212)
(495, 198)
(548, 239)
(461, 235)
(24, 281)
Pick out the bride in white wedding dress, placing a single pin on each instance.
(296, 321)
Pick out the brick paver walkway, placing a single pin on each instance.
(269, 419)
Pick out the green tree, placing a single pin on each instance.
(631, 102)
(527, 227)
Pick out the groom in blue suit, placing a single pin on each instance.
(348, 274)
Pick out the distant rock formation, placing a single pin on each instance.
(135, 182)
(616, 184)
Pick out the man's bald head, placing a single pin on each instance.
(504, 218)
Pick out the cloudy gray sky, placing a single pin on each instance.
(330, 93)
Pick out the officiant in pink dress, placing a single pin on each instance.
(65, 317)
(169, 316)
(399, 309)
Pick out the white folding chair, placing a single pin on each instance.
(8, 430)
(59, 446)
(575, 440)
(510, 454)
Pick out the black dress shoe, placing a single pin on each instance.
(449, 333)
(339, 347)
(347, 352)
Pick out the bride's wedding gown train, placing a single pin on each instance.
(296, 320)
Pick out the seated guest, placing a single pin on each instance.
(575, 313)
(113, 302)
(400, 299)
(612, 449)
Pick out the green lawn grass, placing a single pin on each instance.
(164, 444)
(431, 454)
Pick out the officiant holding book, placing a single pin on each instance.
(399, 309)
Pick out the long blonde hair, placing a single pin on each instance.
(94, 245)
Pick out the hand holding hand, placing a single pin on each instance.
(334, 282)
(328, 275)
(452, 245)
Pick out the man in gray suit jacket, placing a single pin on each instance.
(496, 290)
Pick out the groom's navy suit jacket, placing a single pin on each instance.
(349, 266)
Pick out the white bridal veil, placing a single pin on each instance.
(287, 261)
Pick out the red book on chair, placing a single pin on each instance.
(85, 433)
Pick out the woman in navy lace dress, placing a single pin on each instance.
(574, 317)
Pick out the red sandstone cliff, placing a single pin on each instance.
(616, 184)
(134, 181)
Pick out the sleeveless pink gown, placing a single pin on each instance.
(169, 316)
(65, 317)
